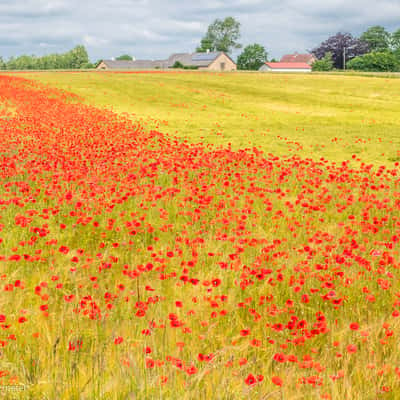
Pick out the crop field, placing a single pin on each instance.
(199, 236)
(330, 116)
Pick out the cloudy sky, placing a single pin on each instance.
(156, 28)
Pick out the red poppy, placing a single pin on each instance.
(277, 381)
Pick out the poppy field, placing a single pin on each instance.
(313, 115)
(139, 265)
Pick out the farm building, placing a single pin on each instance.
(212, 61)
(285, 67)
(299, 58)
(121, 65)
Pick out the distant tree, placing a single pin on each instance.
(377, 37)
(77, 57)
(124, 57)
(2, 63)
(376, 61)
(324, 64)
(395, 40)
(88, 65)
(341, 45)
(178, 64)
(222, 35)
(252, 57)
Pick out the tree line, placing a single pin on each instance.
(77, 58)
(375, 50)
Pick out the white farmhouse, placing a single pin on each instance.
(285, 67)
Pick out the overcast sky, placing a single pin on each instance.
(156, 28)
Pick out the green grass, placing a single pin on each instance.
(333, 116)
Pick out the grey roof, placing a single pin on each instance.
(184, 58)
(187, 59)
(194, 59)
(137, 64)
(205, 56)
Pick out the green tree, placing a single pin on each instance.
(222, 35)
(124, 57)
(395, 40)
(2, 63)
(384, 61)
(343, 46)
(88, 65)
(324, 64)
(377, 37)
(178, 64)
(78, 56)
(252, 57)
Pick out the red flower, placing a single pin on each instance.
(191, 370)
(351, 348)
(354, 326)
(250, 380)
(118, 340)
(149, 363)
(277, 381)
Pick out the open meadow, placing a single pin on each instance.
(199, 236)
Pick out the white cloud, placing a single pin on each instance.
(93, 41)
(156, 28)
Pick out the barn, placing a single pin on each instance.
(126, 64)
(285, 67)
(211, 61)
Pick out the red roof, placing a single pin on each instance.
(307, 58)
(288, 65)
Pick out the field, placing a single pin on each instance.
(331, 116)
(144, 257)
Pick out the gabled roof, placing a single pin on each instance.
(137, 64)
(306, 58)
(288, 65)
(183, 58)
(195, 59)
(187, 59)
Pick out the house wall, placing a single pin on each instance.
(265, 68)
(102, 65)
(312, 60)
(216, 64)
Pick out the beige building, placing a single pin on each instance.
(285, 67)
(211, 61)
(299, 58)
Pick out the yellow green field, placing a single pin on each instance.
(331, 116)
(144, 257)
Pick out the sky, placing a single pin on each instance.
(154, 29)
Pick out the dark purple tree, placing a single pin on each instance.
(341, 45)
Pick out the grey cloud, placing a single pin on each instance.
(34, 9)
(156, 28)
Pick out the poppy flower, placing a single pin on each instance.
(250, 380)
(276, 380)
